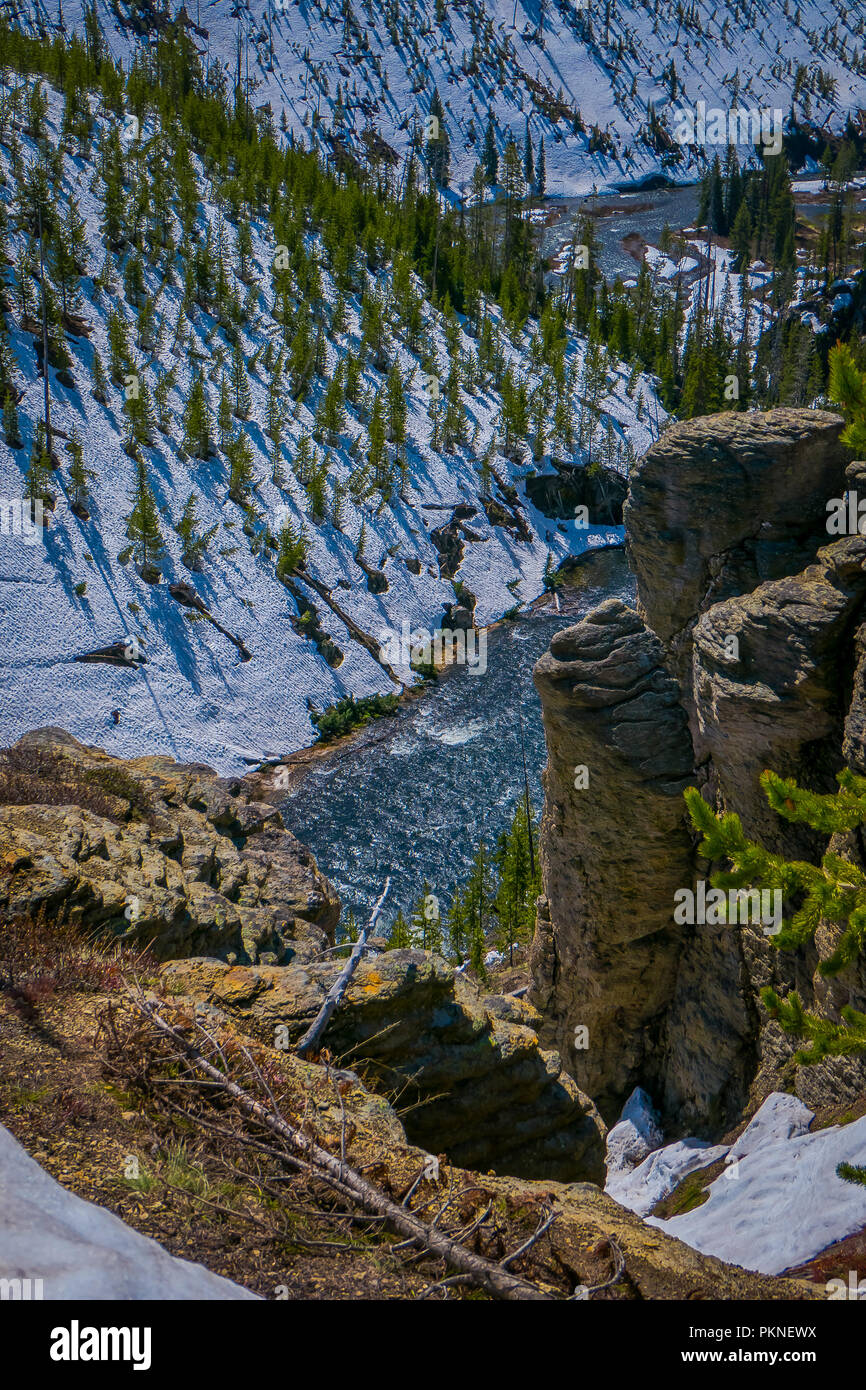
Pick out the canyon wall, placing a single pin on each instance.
(746, 652)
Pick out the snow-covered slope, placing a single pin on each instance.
(561, 66)
(194, 697)
(62, 1247)
(779, 1201)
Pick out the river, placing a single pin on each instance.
(412, 795)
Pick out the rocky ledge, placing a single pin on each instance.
(162, 853)
(466, 1064)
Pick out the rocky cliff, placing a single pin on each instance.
(746, 652)
(156, 852)
(150, 852)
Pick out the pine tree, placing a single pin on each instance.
(161, 391)
(278, 476)
(528, 164)
(114, 197)
(377, 456)
(834, 891)
(24, 272)
(490, 158)
(120, 357)
(195, 543)
(80, 477)
(64, 271)
(317, 495)
(338, 505)
(477, 905)
(245, 251)
(518, 889)
(331, 415)
(274, 423)
(306, 460)
(848, 388)
(439, 152)
(349, 924)
(454, 421)
(39, 468)
(425, 924)
(142, 525)
(99, 390)
(301, 358)
(197, 439)
(11, 433)
(292, 552)
(138, 410)
(540, 170)
(224, 413)
(239, 452)
(396, 407)
(241, 395)
(400, 936)
(455, 926)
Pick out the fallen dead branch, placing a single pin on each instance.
(495, 1279)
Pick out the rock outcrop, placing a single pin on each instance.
(472, 1080)
(719, 505)
(157, 853)
(162, 853)
(619, 756)
(749, 627)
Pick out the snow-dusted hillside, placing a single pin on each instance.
(195, 696)
(584, 76)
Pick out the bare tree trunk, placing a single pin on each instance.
(311, 1038)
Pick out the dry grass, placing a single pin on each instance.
(32, 776)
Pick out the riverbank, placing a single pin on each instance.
(275, 780)
(411, 795)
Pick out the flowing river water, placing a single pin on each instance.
(412, 795)
(644, 212)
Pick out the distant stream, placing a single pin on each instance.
(413, 794)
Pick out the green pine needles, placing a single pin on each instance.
(832, 891)
(847, 387)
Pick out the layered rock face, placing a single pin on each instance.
(162, 853)
(746, 652)
(721, 504)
